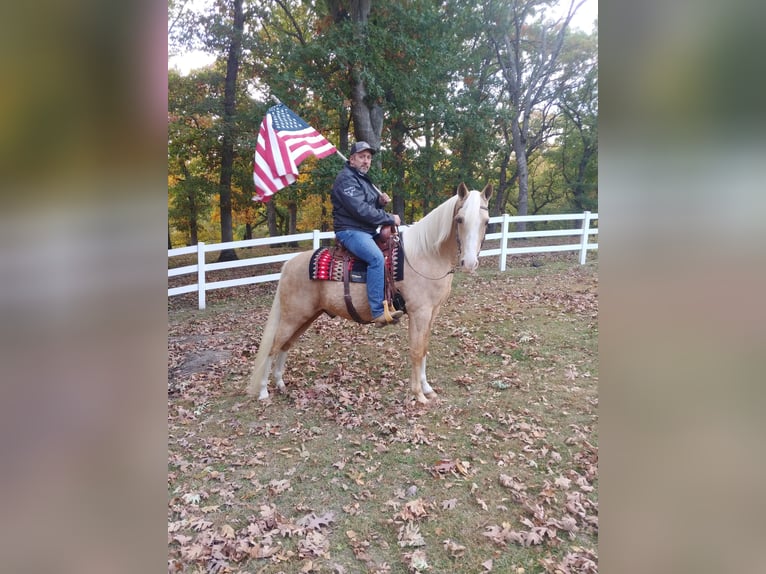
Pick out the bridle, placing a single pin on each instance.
(459, 253)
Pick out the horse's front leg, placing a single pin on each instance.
(425, 387)
(418, 330)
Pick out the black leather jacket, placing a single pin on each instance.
(355, 203)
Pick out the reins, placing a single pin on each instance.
(454, 267)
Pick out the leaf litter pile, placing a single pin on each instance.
(345, 474)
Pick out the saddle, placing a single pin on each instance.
(338, 264)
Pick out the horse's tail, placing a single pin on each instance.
(260, 376)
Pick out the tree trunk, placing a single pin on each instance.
(520, 149)
(271, 218)
(428, 188)
(398, 148)
(292, 218)
(229, 129)
(367, 116)
(191, 197)
(498, 205)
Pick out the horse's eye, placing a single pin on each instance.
(459, 219)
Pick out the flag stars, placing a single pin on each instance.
(285, 120)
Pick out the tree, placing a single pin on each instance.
(578, 144)
(229, 126)
(528, 53)
(449, 90)
(192, 109)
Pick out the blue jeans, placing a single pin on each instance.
(361, 244)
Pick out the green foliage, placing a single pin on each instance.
(431, 67)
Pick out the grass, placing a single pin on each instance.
(510, 446)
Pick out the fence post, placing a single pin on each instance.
(585, 237)
(316, 239)
(201, 273)
(504, 241)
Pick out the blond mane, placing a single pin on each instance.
(427, 235)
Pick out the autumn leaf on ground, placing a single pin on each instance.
(453, 467)
(409, 535)
(582, 561)
(449, 504)
(315, 544)
(455, 550)
(263, 551)
(413, 510)
(512, 482)
(443, 467)
(279, 486)
(416, 561)
(181, 539)
(314, 522)
(563, 482)
(504, 534)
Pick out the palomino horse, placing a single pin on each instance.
(450, 236)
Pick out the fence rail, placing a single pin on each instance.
(201, 268)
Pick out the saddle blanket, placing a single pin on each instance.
(325, 266)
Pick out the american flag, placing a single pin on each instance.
(284, 141)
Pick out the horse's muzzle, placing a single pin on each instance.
(470, 265)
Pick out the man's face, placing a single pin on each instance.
(361, 160)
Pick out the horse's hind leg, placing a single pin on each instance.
(261, 383)
(279, 368)
(284, 340)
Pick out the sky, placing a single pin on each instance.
(583, 20)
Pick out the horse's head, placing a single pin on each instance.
(471, 218)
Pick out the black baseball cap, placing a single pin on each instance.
(361, 146)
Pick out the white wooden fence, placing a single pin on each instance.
(582, 245)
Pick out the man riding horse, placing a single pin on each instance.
(357, 212)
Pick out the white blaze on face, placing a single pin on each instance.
(471, 231)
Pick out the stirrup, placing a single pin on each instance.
(389, 318)
(387, 312)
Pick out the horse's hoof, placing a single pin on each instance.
(264, 395)
(421, 398)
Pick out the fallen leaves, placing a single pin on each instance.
(454, 549)
(414, 510)
(455, 468)
(339, 474)
(279, 486)
(449, 504)
(416, 561)
(314, 544)
(409, 535)
(316, 522)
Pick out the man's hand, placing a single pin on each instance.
(384, 199)
(397, 221)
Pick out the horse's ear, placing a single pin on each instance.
(462, 190)
(487, 191)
